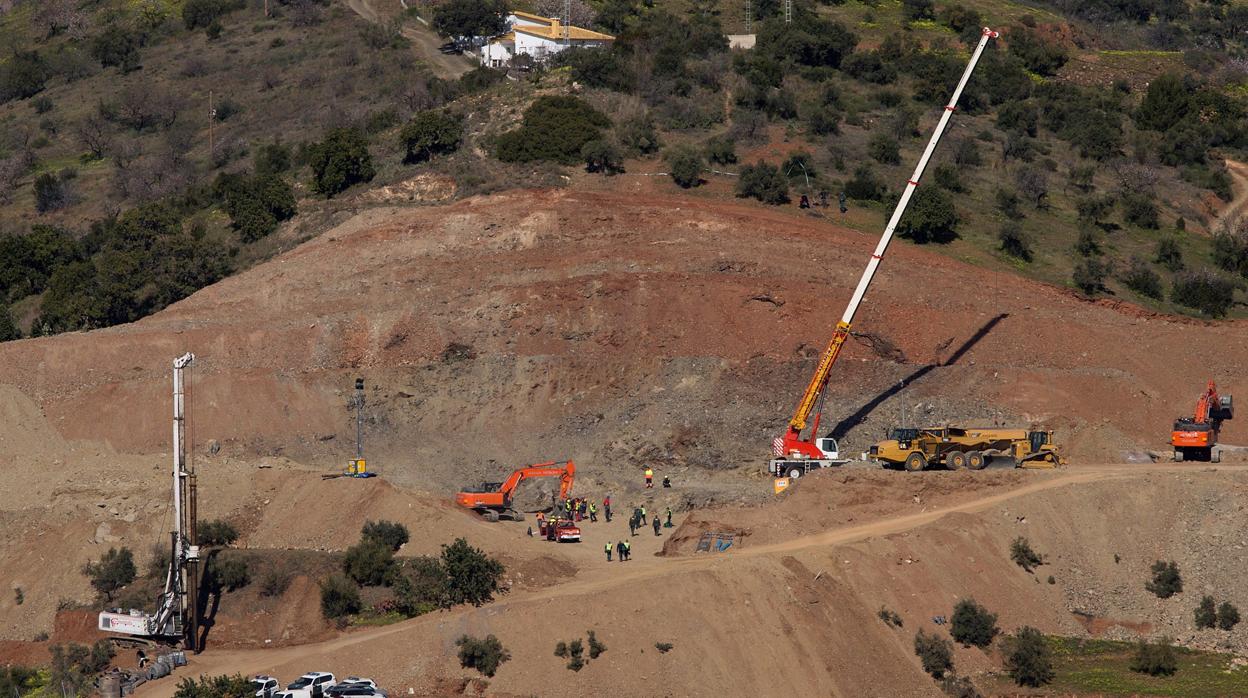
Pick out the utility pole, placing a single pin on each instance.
(212, 117)
(788, 11)
(749, 16)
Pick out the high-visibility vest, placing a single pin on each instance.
(649, 472)
(607, 547)
(628, 546)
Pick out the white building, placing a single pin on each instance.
(539, 38)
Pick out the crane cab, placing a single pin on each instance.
(796, 464)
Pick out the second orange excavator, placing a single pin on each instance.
(1196, 437)
(493, 499)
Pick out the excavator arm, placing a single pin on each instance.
(791, 444)
(496, 501)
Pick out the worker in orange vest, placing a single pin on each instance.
(649, 478)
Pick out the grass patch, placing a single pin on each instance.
(1103, 667)
(375, 620)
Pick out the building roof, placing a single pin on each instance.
(532, 17)
(556, 32)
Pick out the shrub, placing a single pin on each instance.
(1138, 209)
(972, 624)
(483, 655)
(596, 647)
(235, 686)
(23, 75)
(472, 577)
(216, 532)
(763, 182)
(369, 563)
(114, 570)
(1139, 277)
(1087, 244)
(967, 153)
(8, 329)
(255, 204)
(935, 652)
(884, 149)
(43, 105)
(1015, 242)
(1166, 581)
(117, 46)
(1023, 556)
(930, 217)
(275, 582)
(1155, 659)
(470, 18)
(889, 617)
(420, 587)
(915, 10)
(271, 158)
(721, 151)
(576, 650)
(555, 129)
(391, 534)
(1228, 616)
(51, 193)
(1090, 274)
(1205, 291)
(561, 649)
(825, 120)
(339, 597)
(1007, 202)
(601, 156)
(638, 135)
(1027, 658)
(227, 573)
(948, 178)
(663, 647)
(430, 133)
(864, 185)
(1206, 613)
(685, 165)
(1169, 254)
(339, 161)
(202, 13)
(1230, 250)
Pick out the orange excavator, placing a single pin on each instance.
(493, 499)
(1195, 437)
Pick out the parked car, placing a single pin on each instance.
(311, 685)
(266, 686)
(356, 690)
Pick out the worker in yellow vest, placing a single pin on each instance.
(649, 478)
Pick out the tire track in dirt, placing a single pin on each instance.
(250, 661)
(1235, 209)
(426, 43)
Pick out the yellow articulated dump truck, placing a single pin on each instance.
(957, 448)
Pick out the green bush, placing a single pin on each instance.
(972, 624)
(1155, 659)
(639, 136)
(824, 120)
(274, 582)
(1205, 291)
(1023, 556)
(889, 617)
(884, 149)
(235, 686)
(339, 597)
(1206, 613)
(935, 652)
(8, 329)
(431, 133)
(51, 193)
(23, 75)
(216, 532)
(483, 655)
(1230, 250)
(74, 666)
(369, 563)
(1169, 254)
(685, 165)
(1139, 277)
(340, 161)
(915, 10)
(472, 576)
(663, 647)
(256, 204)
(271, 158)
(1028, 658)
(930, 217)
(470, 18)
(576, 651)
(764, 182)
(117, 46)
(202, 13)
(601, 156)
(948, 177)
(1228, 616)
(555, 128)
(596, 647)
(228, 573)
(114, 570)
(1007, 202)
(1089, 275)
(1015, 242)
(721, 151)
(420, 587)
(1040, 55)
(864, 185)
(1166, 581)
(389, 533)
(1138, 209)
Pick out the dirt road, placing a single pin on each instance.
(600, 580)
(424, 41)
(1235, 209)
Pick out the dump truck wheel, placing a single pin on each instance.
(916, 462)
(956, 460)
(975, 460)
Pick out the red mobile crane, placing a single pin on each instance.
(493, 499)
(794, 455)
(1194, 437)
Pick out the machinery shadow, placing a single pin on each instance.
(207, 603)
(842, 427)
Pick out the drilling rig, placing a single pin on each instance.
(794, 454)
(177, 613)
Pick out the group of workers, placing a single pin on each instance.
(649, 475)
